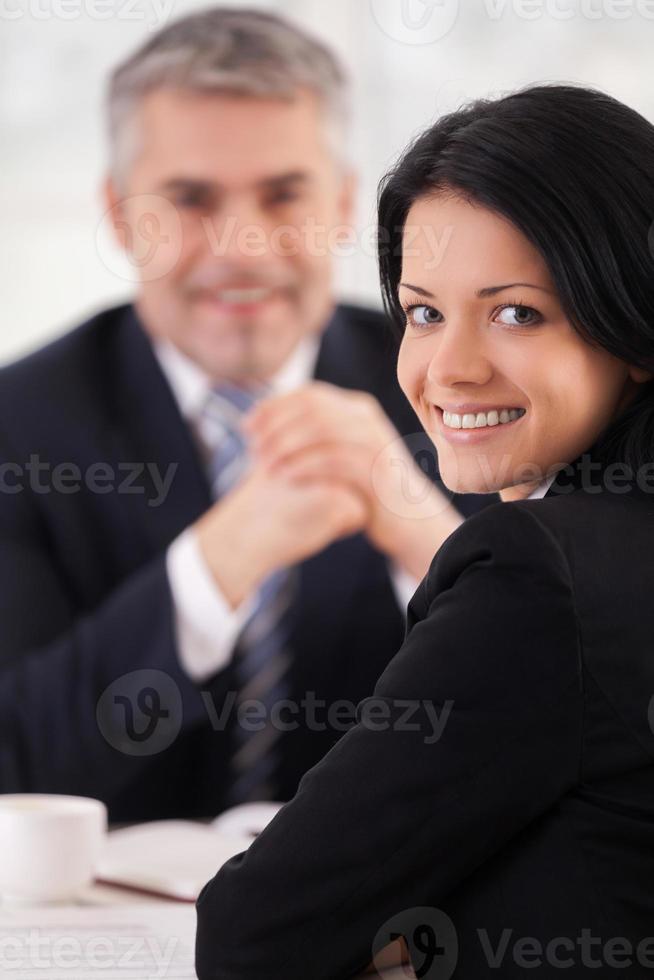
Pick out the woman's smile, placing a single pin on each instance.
(471, 425)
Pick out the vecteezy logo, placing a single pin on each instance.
(430, 937)
(403, 475)
(149, 230)
(415, 21)
(140, 713)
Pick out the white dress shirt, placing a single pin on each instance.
(542, 489)
(206, 625)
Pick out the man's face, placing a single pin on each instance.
(227, 208)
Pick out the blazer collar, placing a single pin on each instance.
(340, 359)
(149, 428)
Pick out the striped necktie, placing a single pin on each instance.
(220, 431)
(262, 657)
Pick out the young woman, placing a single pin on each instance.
(494, 804)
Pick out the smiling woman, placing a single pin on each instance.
(523, 836)
(541, 300)
(503, 361)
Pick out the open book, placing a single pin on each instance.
(176, 858)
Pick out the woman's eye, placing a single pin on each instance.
(422, 316)
(519, 316)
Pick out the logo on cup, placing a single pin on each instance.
(415, 21)
(430, 937)
(140, 713)
(139, 239)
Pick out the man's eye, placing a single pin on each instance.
(519, 316)
(282, 197)
(422, 316)
(191, 201)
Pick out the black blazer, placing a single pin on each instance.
(531, 817)
(84, 596)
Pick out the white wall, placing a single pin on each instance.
(55, 54)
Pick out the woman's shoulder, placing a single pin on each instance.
(503, 551)
(517, 533)
(558, 538)
(578, 561)
(559, 520)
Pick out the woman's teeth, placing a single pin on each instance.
(481, 419)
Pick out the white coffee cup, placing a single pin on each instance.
(49, 846)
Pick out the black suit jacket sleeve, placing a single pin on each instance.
(392, 819)
(50, 738)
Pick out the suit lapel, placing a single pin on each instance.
(150, 432)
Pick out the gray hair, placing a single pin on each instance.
(222, 49)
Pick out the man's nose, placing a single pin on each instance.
(240, 230)
(458, 355)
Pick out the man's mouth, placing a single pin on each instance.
(244, 296)
(238, 299)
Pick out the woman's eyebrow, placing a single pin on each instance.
(481, 293)
(491, 290)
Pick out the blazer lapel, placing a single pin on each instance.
(150, 432)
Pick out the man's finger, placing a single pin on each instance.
(278, 411)
(325, 462)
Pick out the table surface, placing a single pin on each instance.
(99, 896)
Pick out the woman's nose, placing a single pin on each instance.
(458, 356)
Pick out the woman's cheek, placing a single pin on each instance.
(407, 373)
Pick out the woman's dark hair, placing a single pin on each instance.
(573, 170)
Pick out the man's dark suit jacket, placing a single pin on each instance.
(84, 597)
(529, 823)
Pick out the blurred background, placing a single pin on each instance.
(409, 62)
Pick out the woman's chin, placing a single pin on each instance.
(466, 483)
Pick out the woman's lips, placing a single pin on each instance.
(464, 437)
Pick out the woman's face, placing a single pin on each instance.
(485, 336)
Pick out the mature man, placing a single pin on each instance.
(209, 524)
